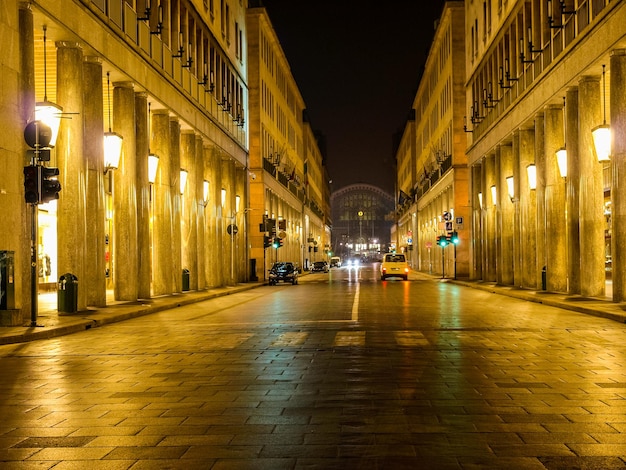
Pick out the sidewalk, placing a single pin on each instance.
(51, 324)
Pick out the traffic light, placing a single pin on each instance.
(442, 241)
(267, 241)
(50, 187)
(278, 242)
(31, 184)
(454, 238)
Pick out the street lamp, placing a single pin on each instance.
(602, 133)
(531, 171)
(112, 141)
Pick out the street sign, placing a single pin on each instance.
(232, 229)
(447, 216)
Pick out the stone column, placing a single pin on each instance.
(177, 254)
(189, 207)
(163, 282)
(572, 190)
(477, 225)
(95, 266)
(507, 218)
(210, 216)
(540, 192)
(517, 184)
(556, 239)
(201, 222)
(618, 163)
(240, 221)
(71, 211)
(228, 211)
(142, 139)
(591, 210)
(528, 211)
(125, 253)
(490, 219)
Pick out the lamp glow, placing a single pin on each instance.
(183, 181)
(480, 200)
(50, 114)
(561, 160)
(602, 142)
(237, 202)
(602, 133)
(112, 150)
(494, 193)
(531, 170)
(223, 197)
(510, 184)
(205, 191)
(153, 165)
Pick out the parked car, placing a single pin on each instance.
(319, 266)
(394, 265)
(283, 271)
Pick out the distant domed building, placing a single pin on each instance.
(362, 216)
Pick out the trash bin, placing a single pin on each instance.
(67, 300)
(185, 279)
(544, 281)
(7, 285)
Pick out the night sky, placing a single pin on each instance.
(357, 65)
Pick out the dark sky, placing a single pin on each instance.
(357, 65)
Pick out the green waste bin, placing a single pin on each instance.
(185, 279)
(67, 300)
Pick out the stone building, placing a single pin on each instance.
(432, 172)
(542, 204)
(541, 77)
(290, 184)
(173, 214)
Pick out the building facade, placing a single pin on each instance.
(290, 181)
(546, 203)
(432, 168)
(543, 79)
(173, 213)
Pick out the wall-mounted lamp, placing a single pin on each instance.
(602, 133)
(531, 171)
(561, 160)
(146, 12)
(153, 165)
(465, 125)
(561, 154)
(181, 50)
(223, 197)
(112, 140)
(45, 111)
(205, 193)
(494, 194)
(183, 180)
(510, 186)
(208, 85)
(480, 200)
(237, 202)
(551, 22)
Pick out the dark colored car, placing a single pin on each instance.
(283, 271)
(320, 267)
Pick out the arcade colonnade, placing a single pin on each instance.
(565, 229)
(116, 228)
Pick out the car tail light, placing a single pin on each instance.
(406, 270)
